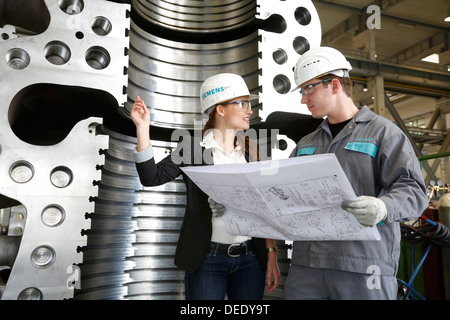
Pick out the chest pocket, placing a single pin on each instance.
(364, 147)
(306, 151)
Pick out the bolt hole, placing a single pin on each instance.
(98, 58)
(17, 59)
(281, 84)
(280, 56)
(301, 45)
(71, 7)
(101, 26)
(57, 52)
(303, 16)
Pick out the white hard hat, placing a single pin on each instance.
(222, 87)
(318, 62)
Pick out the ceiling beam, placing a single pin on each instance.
(404, 79)
(356, 22)
(350, 24)
(434, 44)
(388, 5)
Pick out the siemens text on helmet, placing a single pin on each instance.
(213, 91)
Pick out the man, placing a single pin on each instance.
(384, 172)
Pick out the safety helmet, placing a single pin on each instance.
(320, 61)
(222, 87)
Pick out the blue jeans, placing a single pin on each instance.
(219, 275)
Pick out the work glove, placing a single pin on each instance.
(217, 209)
(368, 210)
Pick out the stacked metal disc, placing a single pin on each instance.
(197, 16)
(134, 231)
(174, 46)
(167, 73)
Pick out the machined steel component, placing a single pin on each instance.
(120, 237)
(167, 74)
(55, 206)
(79, 42)
(197, 16)
(298, 30)
(77, 51)
(12, 228)
(134, 230)
(131, 244)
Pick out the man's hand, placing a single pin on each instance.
(368, 210)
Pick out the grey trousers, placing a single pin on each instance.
(305, 283)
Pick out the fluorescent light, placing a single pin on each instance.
(433, 58)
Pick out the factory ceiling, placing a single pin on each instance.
(405, 33)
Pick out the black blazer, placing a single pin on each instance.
(196, 230)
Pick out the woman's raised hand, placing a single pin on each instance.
(141, 118)
(139, 113)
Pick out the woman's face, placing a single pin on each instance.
(236, 113)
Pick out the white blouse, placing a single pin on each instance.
(219, 232)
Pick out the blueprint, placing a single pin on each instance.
(290, 199)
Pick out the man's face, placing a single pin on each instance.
(316, 97)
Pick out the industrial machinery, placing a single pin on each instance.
(431, 231)
(75, 221)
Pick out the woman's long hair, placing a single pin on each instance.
(250, 145)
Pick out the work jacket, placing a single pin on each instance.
(379, 161)
(195, 234)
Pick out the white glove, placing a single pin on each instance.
(217, 209)
(368, 210)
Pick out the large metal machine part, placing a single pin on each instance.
(50, 71)
(197, 16)
(260, 40)
(297, 29)
(134, 231)
(114, 238)
(168, 74)
(53, 186)
(186, 42)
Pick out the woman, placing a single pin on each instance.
(217, 264)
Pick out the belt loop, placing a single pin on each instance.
(216, 247)
(246, 248)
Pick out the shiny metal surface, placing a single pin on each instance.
(134, 231)
(197, 16)
(167, 74)
(47, 184)
(80, 223)
(298, 29)
(48, 250)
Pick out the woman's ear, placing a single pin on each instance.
(220, 110)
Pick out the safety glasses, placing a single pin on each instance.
(307, 90)
(240, 105)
